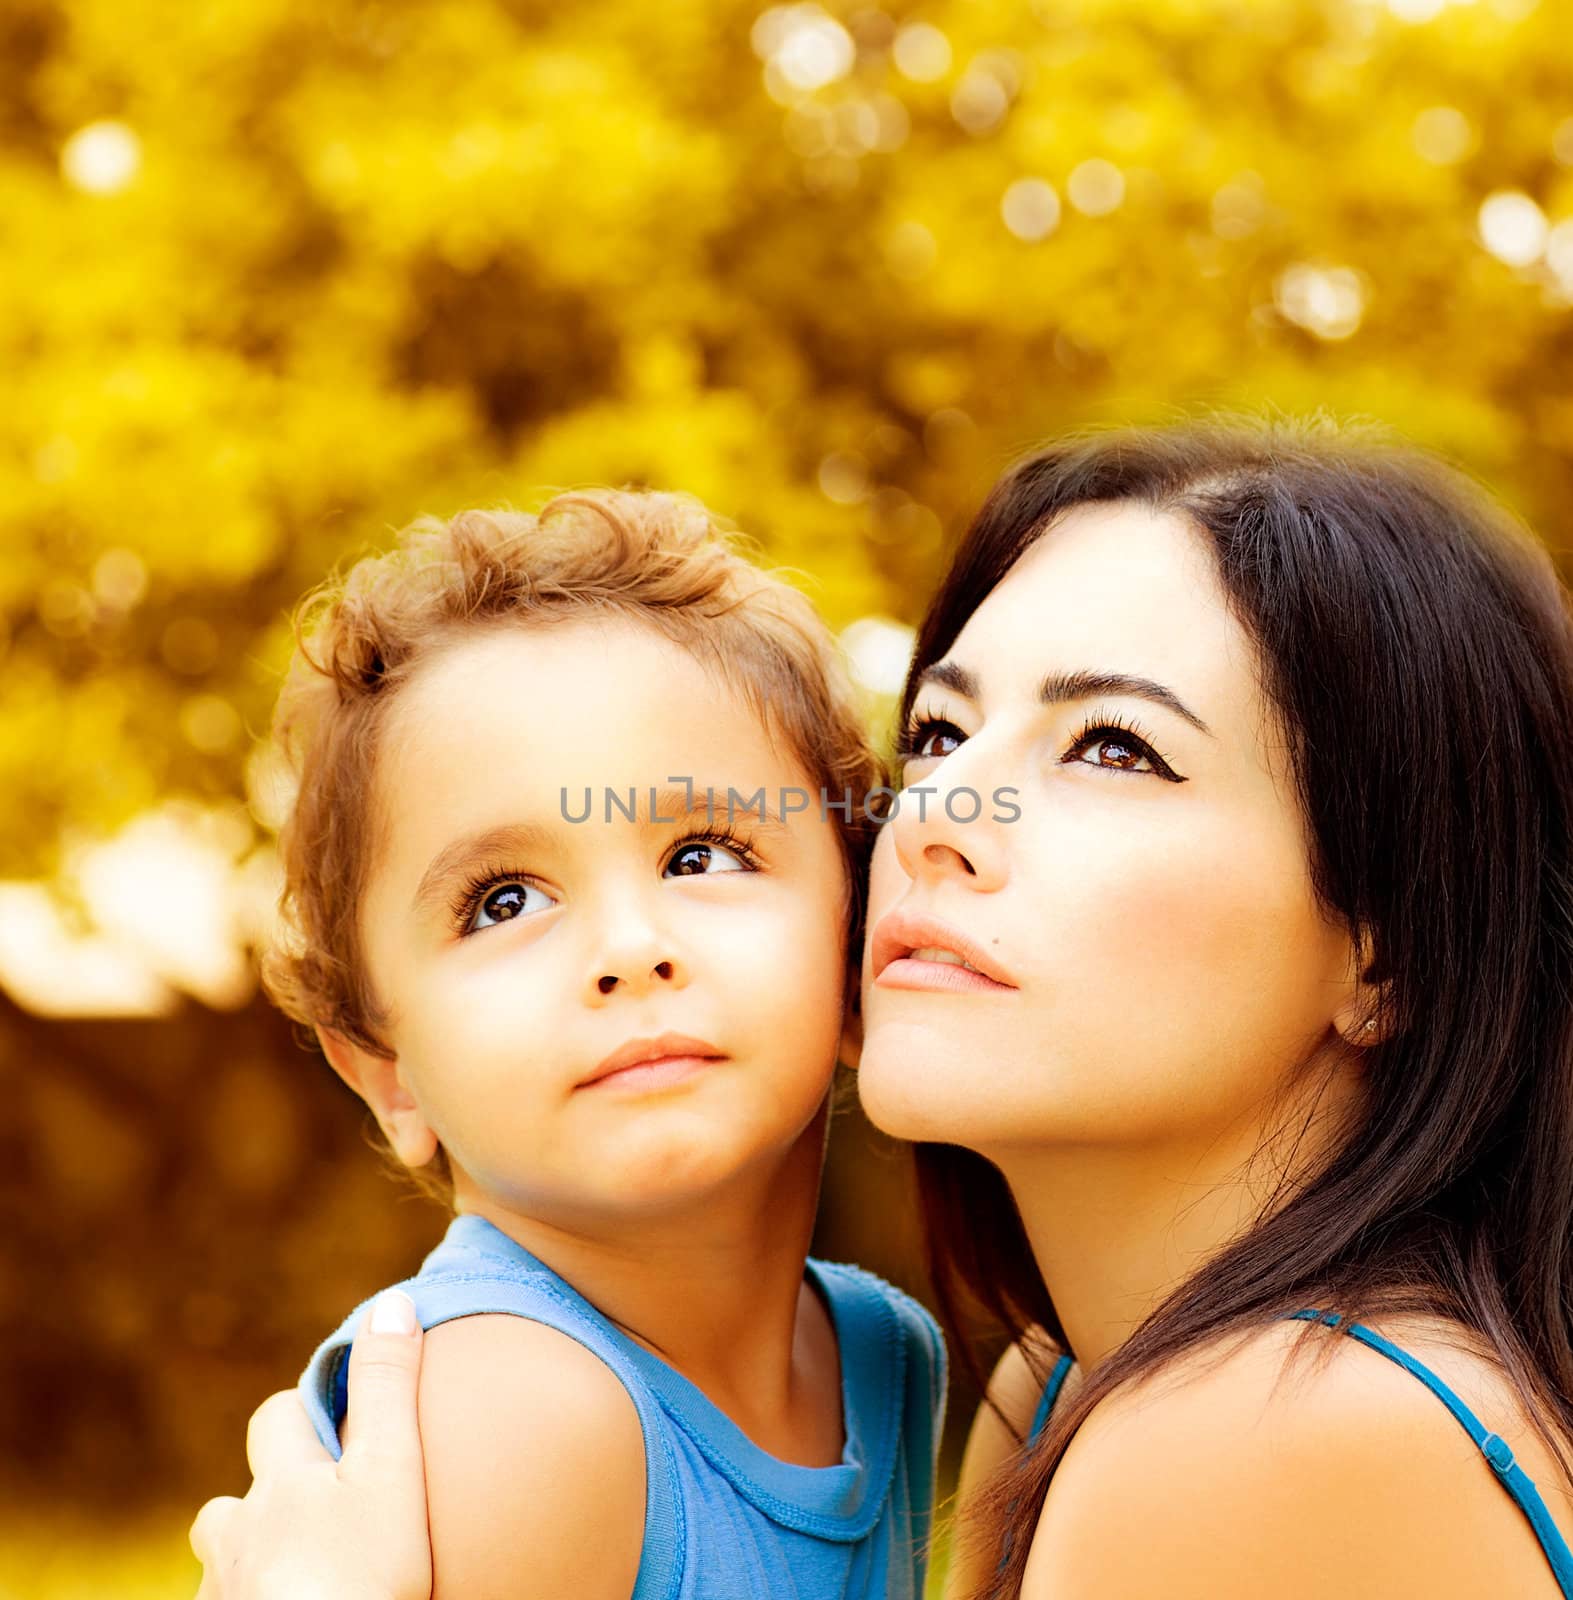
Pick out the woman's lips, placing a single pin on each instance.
(943, 976)
(906, 937)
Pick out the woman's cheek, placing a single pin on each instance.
(1225, 954)
(887, 881)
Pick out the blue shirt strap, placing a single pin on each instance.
(1493, 1447)
(1051, 1393)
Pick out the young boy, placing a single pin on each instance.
(574, 883)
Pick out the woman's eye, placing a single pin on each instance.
(507, 901)
(930, 739)
(703, 858)
(1116, 750)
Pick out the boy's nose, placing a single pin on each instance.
(663, 970)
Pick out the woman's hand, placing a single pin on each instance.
(311, 1528)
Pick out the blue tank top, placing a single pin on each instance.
(724, 1519)
(1513, 1478)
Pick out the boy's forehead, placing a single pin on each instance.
(570, 677)
(523, 713)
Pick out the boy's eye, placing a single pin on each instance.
(703, 858)
(507, 901)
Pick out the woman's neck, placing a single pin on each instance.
(1114, 1229)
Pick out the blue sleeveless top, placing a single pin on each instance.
(1513, 1478)
(724, 1519)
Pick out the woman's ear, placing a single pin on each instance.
(378, 1081)
(1365, 1018)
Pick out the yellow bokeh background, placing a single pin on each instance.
(276, 278)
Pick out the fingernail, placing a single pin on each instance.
(393, 1312)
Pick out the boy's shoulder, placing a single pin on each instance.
(532, 1445)
(849, 1284)
(534, 1434)
(476, 1275)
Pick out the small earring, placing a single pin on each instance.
(1367, 1026)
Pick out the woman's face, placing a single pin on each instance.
(1143, 898)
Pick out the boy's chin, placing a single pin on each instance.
(672, 1175)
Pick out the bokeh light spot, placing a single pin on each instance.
(101, 158)
(1512, 227)
(1096, 188)
(1030, 208)
(921, 52)
(1326, 301)
(1442, 135)
(843, 477)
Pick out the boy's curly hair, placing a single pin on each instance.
(662, 559)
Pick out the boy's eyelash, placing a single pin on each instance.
(464, 903)
(1099, 721)
(475, 889)
(740, 844)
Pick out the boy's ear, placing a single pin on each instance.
(377, 1080)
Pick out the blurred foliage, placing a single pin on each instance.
(278, 277)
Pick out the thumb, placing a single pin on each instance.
(385, 1366)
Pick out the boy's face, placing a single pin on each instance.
(584, 936)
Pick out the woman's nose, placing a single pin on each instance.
(946, 826)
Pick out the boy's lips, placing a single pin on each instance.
(640, 1052)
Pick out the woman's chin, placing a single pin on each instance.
(910, 1089)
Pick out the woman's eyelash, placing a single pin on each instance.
(910, 739)
(1104, 724)
(475, 889)
(1099, 724)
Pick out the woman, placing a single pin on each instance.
(1260, 1004)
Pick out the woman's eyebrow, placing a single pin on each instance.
(1062, 686)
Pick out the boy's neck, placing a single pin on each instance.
(717, 1291)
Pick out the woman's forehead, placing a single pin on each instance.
(1111, 587)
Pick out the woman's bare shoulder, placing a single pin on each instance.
(998, 1428)
(1017, 1382)
(1293, 1461)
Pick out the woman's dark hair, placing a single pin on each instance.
(1416, 643)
